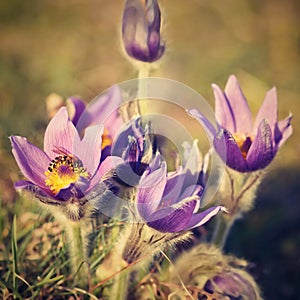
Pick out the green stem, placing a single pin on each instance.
(143, 73)
(120, 286)
(133, 108)
(223, 226)
(77, 254)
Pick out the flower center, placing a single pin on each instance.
(244, 142)
(106, 139)
(64, 170)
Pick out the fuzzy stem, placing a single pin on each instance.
(143, 72)
(77, 254)
(222, 229)
(133, 108)
(120, 286)
(114, 267)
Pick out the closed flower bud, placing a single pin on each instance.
(209, 273)
(141, 30)
(232, 284)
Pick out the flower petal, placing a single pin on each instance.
(150, 190)
(110, 163)
(103, 110)
(172, 220)
(204, 122)
(173, 187)
(192, 163)
(239, 106)
(88, 150)
(261, 151)
(223, 111)
(60, 134)
(283, 131)
(203, 217)
(191, 191)
(32, 161)
(229, 151)
(141, 30)
(36, 191)
(233, 285)
(268, 111)
(75, 108)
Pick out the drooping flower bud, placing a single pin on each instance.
(211, 274)
(141, 30)
(232, 284)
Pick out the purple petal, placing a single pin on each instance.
(120, 144)
(75, 190)
(192, 190)
(89, 148)
(239, 106)
(283, 131)
(75, 108)
(103, 110)
(175, 193)
(268, 111)
(231, 284)
(150, 191)
(229, 151)
(192, 163)
(203, 217)
(105, 153)
(141, 30)
(261, 151)
(60, 134)
(32, 161)
(36, 191)
(110, 163)
(172, 220)
(223, 111)
(23, 184)
(173, 187)
(204, 122)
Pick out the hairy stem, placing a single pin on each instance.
(78, 256)
(143, 73)
(120, 286)
(222, 229)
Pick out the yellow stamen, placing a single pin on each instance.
(244, 142)
(63, 171)
(106, 139)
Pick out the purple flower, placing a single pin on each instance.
(133, 145)
(141, 30)
(104, 110)
(69, 167)
(232, 284)
(171, 202)
(245, 145)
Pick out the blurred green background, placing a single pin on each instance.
(73, 48)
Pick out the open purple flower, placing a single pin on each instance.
(245, 145)
(171, 202)
(69, 167)
(141, 30)
(103, 110)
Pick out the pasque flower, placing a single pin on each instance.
(69, 167)
(171, 202)
(245, 145)
(233, 284)
(214, 274)
(166, 207)
(141, 30)
(102, 110)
